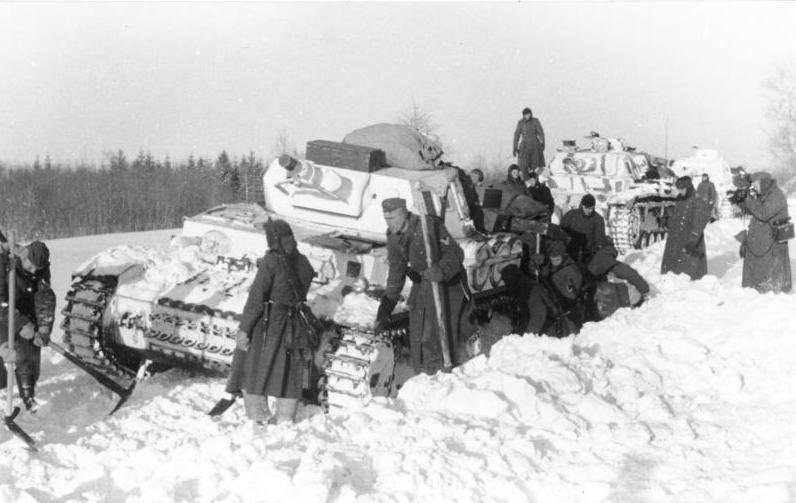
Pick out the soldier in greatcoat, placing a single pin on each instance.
(274, 342)
(685, 240)
(528, 145)
(766, 264)
(406, 255)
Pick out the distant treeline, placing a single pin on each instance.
(121, 195)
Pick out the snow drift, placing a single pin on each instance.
(688, 398)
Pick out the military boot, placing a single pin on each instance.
(27, 393)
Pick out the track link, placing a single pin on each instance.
(359, 364)
(84, 334)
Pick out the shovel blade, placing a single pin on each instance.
(18, 432)
(221, 407)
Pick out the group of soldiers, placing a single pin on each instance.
(34, 314)
(556, 287)
(560, 283)
(763, 246)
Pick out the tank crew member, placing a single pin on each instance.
(275, 340)
(35, 303)
(514, 177)
(685, 242)
(528, 145)
(406, 255)
(539, 191)
(555, 303)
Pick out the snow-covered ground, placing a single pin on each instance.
(688, 398)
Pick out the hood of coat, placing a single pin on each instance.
(685, 182)
(767, 182)
(511, 179)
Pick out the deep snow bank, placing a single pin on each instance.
(688, 398)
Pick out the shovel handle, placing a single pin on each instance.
(12, 293)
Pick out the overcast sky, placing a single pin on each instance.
(80, 79)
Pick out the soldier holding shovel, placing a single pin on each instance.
(432, 260)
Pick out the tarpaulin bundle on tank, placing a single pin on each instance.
(404, 146)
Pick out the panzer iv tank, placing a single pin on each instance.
(130, 306)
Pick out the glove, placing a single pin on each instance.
(383, 314)
(433, 273)
(27, 331)
(6, 354)
(42, 337)
(537, 259)
(242, 341)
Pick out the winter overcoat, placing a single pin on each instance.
(406, 254)
(707, 191)
(529, 144)
(35, 301)
(766, 264)
(278, 355)
(685, 241)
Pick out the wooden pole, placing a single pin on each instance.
(442, 329)
(12, 293)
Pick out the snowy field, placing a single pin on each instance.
(689, 398)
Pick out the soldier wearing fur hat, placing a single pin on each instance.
(35, 305)
(528, 145)
(275, 341)
(406, 255)
(555, 303)
(685, 241)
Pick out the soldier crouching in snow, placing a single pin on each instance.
(275, 340)
(35, 305)
(555, 303)
(406, 255)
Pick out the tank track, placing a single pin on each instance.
(361, 364)
(627, 230)
(83, 331)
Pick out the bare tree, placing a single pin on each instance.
(283, 144)
(419, 118)
(779, 90)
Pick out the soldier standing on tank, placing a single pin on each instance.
(35, 303)
(528, 145)
(406, 255)
(274, 343)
